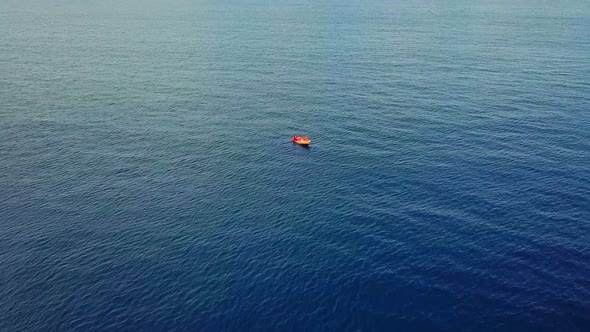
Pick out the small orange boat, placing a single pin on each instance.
(301, 140)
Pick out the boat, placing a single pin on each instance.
(301, 140)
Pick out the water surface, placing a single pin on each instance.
(148, 181)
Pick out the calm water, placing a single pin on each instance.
(148, 181)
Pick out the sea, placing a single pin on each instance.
(148, 181)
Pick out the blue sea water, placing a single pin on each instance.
(148, 181)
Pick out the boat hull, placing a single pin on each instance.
(301, 140)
